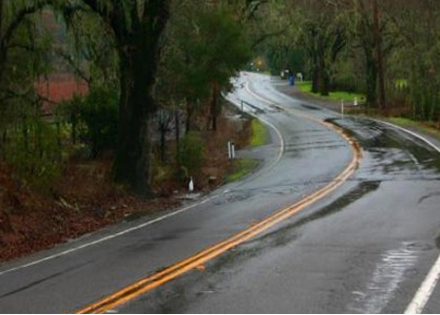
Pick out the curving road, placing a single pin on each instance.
(364, 248)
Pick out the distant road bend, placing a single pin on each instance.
(342, 217)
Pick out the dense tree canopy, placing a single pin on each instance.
(114, 45)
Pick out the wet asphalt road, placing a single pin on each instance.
(365, 248)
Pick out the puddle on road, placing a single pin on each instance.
(287, 234)
(311, 107)
(429, 196)
(392, 153)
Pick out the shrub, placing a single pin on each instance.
(34, 151)
(94, 119)
(100, 115)
(191, 156)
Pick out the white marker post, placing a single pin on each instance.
(229, 150)
(342, 107)
(191, 185)
(355, 101)
(233, 150)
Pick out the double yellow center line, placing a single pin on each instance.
(155, 280)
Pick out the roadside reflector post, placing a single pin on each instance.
(342, 107)
(233, 150)
(229, 150)
(355, 101)
(191, 185)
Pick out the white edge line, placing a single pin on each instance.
(75, 249)
(138, 227)
(410, 132)
(425, 291)
(428, 285)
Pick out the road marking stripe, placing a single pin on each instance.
(425, 291)
(411, 133)
(160, 278)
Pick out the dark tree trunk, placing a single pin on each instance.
(315, 79)
(212, 119)
(371, 78)
(137, 70)
(177, 134)
(189, 112)
(1, 23)
(1, 40)
(378, 44)
(163, 132)
(137, 33)
(324, 80)
(1, 62)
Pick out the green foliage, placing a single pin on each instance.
(204, 45)
(306, 87)
(94, 56)
(34, 151)
(259, 134)
(241, 168)
(100, 115)
(94, 119)
(191, 155)
(284, 57)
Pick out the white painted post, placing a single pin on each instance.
(229, 150)
(355, 101)
(233, 150)
(191, 185)
(342, 107)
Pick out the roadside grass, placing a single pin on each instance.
(259, 134)
(424, 127)
(244, 166)
(306, 87)
(241, 168)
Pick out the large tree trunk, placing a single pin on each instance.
(190, 104)
(324, 81)
(138, 68)
(1, 39)
(214, 108)
(177, 135)
(378, 44)
(371, 79)
(137, 32)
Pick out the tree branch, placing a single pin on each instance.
(75, 67)
(20, 16)
(269, 35)
(255, 6)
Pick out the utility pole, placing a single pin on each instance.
(378, 42)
